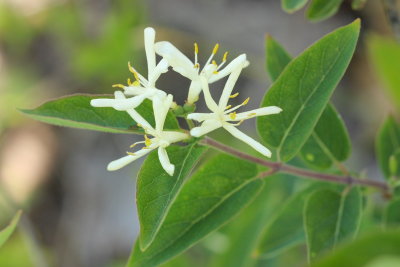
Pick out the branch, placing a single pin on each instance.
(278, 166)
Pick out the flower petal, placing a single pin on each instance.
(248, 140)
(255, 113)
(161, 107)
(226, 93)
(164, 160)
(178, 61)
(194, 91)
(238, 63)
(174, 136)
(211, 104)
(201, 116)
(206, 127)
(149, 38)
(122, 162)
(130, 103)
(134, 90)
(162, 67)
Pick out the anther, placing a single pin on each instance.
(215, 50)
(246, 101)
(196, 66)
(234, 95)
(214, 63)
(118, 85)
(130, 153)
(147, 141)
(131, 69)
(196, 48)
(228, 107)
(252, 114)
(225, 56)
(232, 115)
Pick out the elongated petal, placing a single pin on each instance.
(226, 93)
(211, 104)
(178, 61)
(134, 90)
(122, 162)
(149, 38)
(102, 102)
(248, 140)
(161, 106)
(174, 136)
(161, 68)
(238, 63)
(130, 103)
(194, 91)
(201, 116)
(164, 160)
(206, 127)
(255, 113)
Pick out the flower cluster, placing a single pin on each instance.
(222, 115)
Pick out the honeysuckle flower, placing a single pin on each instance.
(141, 88)
(160, 140)
(224, 115)
(211, 71)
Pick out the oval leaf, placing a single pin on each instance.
(329, 218)
(291, 6)
(330, 141)
(322, 9)
(6, 232)
(75, 111)
(215, 193)
(388, 148)
(156, 190)
(364, 250)
(304, 89)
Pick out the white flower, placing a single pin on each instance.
(161, 139)
(141, 88)
(223, 115)
(211, 71)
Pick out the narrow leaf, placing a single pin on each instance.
(291, 6)
(216, 193)
(364, 250)
(156, 190)
(329, 218)
(322, 9)
(6, 232)
(392, 213)
(388, 148)
(329, 142)
(385, 56)
(304, 89)
(75, 111)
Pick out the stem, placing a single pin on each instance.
(278, 166)
(189, 123)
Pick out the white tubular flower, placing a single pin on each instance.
(211, 71)
(141, 88)
(224, 115)
(161, 139)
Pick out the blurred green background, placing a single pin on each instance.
(77, 214)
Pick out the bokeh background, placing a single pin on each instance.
(77, 213)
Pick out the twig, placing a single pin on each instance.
(278, 166)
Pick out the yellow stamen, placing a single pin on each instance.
(234, 95)
(225, 56)
(228, 107)
(251, 114)
(118, 85)
(130, 153)
(215, 50)
(232, 115)
(237, 124)
(196, 48)
(133, 145)
(215, 72)
(214, 63)
(196, 66)
(147, 141)
(129, 82)
(246, 101)
(131, 69)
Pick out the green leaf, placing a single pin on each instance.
(214, 195)
(304, 89)
(329, 143)
(329, 218)
(392, 213)
(330, 140)
(322, 9)
(291, 6)
(388, 148)
(385, 56)
(156, 190)
(364, 250)
(244, 232)
(75, 111)
(285, 229)
(6, 232)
